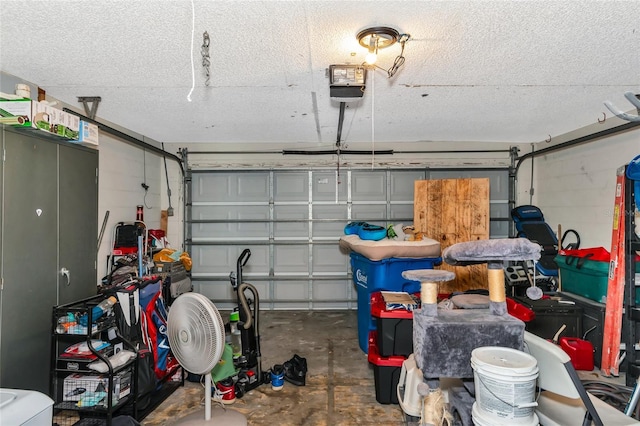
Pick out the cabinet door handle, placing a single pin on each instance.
(67, 274)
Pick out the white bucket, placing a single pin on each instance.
(505, 385)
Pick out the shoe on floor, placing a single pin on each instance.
(225, 391)
(295, 370)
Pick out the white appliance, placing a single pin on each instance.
(24, 407)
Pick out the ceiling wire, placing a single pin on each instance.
(373, 121)
(193, 70)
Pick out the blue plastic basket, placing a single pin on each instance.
(371, 276)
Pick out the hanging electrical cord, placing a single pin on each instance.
(206, 59)
(373, 124)
(193, 70)
(144, 178)
(166, 174)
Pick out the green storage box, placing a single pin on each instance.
(586, 277)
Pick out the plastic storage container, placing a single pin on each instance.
(386, 372)
(394, 328)
(370, 276)
(585, 272)
(551, 315)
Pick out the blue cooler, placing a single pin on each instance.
(371, 276)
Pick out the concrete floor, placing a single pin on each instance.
(339, 388)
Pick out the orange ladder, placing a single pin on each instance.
(615, 286)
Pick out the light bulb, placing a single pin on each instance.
(371, 58)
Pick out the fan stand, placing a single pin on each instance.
(196, 335)
(215, 416)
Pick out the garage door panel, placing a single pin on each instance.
(258, 263)
(232, 186)
(231, 229)
(291, 294)
(329, 229)
(211, 259)
(402, 212)
(375, 214)
(252, 187)
(329, 259)
(300, 228)
(222, 295)
(402, 185)
(291, 186)
(291, 259)
(323, 187)
(369, 186)
(331, 290)
(212, 186)
(203, 212)
(499, 229)
(291, 290)
(223, 259)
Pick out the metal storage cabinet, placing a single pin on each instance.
(49, 222)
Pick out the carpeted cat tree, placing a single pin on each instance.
(443, 339)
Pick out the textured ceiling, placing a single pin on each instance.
(503, 71)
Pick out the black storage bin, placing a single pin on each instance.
(551, 314)
(394, 328)
(386, 372)
(593, 314)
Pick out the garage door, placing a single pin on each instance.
(291, 221)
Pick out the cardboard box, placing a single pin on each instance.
(87, 134)
(54, 120)
(16, 112)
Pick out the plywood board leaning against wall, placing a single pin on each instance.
(454, 211)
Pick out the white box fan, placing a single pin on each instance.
(196, 335)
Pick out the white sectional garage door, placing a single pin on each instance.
(291, 221)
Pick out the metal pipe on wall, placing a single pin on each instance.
(128, 138)
(583, 139)
(516, 161)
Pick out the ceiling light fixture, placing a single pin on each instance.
(376, 38)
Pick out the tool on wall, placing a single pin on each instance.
(104, 225)
(166, 174)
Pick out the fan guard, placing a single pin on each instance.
(196, 332)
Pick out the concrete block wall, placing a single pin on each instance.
(123, 169)
(575, 187)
